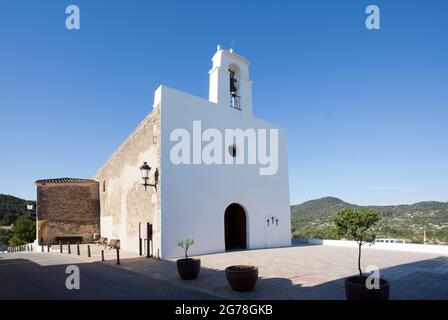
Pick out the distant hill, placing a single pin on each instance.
(11, 208)
(317, 211)
(313, 219)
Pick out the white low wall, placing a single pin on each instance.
(428, 248)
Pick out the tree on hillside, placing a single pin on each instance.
(23, 232)
(356, 223)
(12, 208)
(4, 236)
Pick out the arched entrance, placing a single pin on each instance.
(235, 227)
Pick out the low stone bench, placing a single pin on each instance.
(114, 244)
(67, 239)
(101, 241)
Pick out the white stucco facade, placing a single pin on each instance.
(192, 198)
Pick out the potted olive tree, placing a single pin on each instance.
(188, 268)
(356, 224)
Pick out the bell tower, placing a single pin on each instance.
(230, 86)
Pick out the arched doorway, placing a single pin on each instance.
(235, 227)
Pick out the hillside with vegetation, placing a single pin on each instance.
(13, 211)
(312, 219)
(11, 208)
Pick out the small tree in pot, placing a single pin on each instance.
(356, 224)
(188, 268)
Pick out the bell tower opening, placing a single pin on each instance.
(235, 98)
(230, 85)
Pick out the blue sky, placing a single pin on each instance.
(366, 112)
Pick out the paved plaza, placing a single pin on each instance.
(37, 275)
(298, 272)
(309, 272)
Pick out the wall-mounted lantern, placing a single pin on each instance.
(30, 208)
(145, 169)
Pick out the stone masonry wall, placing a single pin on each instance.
(67, 209)
(124, 201)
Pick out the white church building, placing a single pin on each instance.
(218, 174)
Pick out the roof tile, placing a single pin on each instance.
(65, 180)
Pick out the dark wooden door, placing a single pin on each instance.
(235, 227)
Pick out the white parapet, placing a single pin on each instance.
(428, 248)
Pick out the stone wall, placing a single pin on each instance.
(67, 209)
(124, 201)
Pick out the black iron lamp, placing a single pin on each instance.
(145, 169)
(30, 208)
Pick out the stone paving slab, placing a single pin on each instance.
(36, 275)
(308, 272)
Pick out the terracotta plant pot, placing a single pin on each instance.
(242, 278)
(355, 289)
(188, 268)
